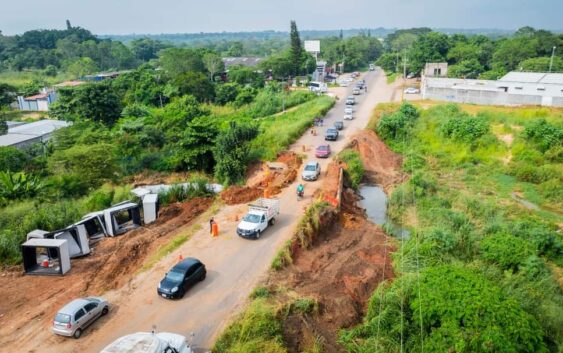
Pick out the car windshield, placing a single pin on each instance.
(322, 148)
(175, 276)
(310, 167)
(62, 318)
(252, 218)
(331, 131)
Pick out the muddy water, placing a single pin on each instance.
(375, 203)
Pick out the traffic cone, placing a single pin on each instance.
(180, 258)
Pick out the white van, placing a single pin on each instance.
(318, 87)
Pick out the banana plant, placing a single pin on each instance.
(18, 185)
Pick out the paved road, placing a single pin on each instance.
(235, 265)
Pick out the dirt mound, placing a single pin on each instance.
(29, 302)
(381, 164)
(340, 270)
(241, 194)
(267, 178)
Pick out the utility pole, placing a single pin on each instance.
(404, 75)
(551, 60)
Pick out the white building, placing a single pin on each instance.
(515, 88)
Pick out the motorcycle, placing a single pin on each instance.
(300, 194)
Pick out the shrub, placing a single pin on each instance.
(260, 292)
(396, 126)
(466, 128)
(12, 159)
(354, 166)
(544, 134)
(505, 250)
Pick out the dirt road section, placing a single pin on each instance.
(235, 265)
(29, 303)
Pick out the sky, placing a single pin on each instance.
(193, 16)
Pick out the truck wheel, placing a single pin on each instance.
(258, 235)
(105, 311)
(77, 333)
(272, 221)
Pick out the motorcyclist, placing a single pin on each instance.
(300, 189)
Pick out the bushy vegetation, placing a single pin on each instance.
(472, 56)
(479, 272)
(354, 166)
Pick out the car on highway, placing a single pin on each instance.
(331, 134)
(356, 91)
(371, 67)
(349, 110)
(348, 116)
(77, 315)
(311, 171)
(350, 100)
(412, 90)
(339, 125)
(322, 151)
(181, 277)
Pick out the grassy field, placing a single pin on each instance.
(21, 78)
(482, 270)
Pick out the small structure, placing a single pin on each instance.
(45, 257)
(436, 70)
(76, 237)
(122, 217)
(94, 226)
(39, 102)
(36, 234)
(24, 135)
(248, 61)
(150, 208)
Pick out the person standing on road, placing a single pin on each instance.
(211, 222)
(366, 88)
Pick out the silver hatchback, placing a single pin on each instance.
(74, 317)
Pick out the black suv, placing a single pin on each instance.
(331, 134)
(182, 276)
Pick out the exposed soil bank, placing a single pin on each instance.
(29, 303)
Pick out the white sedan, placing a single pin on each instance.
(412, 90)
(348, 116)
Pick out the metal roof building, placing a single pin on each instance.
(21, 136)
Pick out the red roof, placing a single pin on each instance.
(36, 97)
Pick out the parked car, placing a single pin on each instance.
(261, 214)
(371, 67)
(181, 277)
(348, 116)
(331, 134)
(339, 125)
(349, 110)
(74, 317)
(322, 151)
(149, 342)
(311, 171)
(356, 91)
(350, 100)
(412, 90)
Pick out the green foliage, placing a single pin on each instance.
(146, 49)
(260, 292)
(304, 306)
(177, 61)
(232, 152)
(542, 64)
(256, 330)
(195, 84)
(544, 134)
(354, 166)
(506, 250)
(396, 126)
(194, 187)
(96, 102)
(18, 185)
(226, 93)
(7, 95)
(296, 49)
(283, 257)
(12, 159)
(466, 128)
(95, 163)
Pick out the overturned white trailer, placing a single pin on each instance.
(46, 256)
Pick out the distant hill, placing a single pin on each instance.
(202, 37)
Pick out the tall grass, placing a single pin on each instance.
(278, 132)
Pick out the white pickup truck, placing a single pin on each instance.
(261, 214)
(145, 342)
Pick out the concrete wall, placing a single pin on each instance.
(487, 97)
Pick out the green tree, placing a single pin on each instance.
(11, 158)
(236, 49)
(213, 63)
(81, 67)
(513, 51)
(7, 94)
(542, 64)
(430, 47)
(95, 163)
(466, 69)
(232, 152)
(176, 61)
(197, 144)
(296, 49)
(195, 84)
(95, 102)
(226, 93)
(146, 49)
(3, 125)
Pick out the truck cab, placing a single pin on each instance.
(261, 214)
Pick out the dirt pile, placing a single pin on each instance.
(382, 166)
(340, 270)
(265, 179)
(29, 302)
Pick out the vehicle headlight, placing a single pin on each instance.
(174, 290)
(158, 285)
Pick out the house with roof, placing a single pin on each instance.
(514, 89)
(24, 135)
(38, 102)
